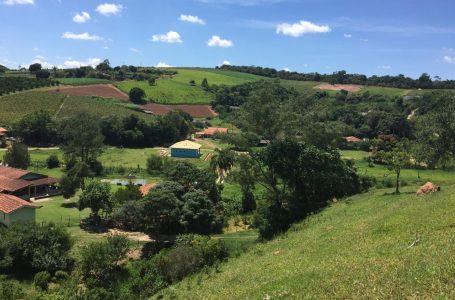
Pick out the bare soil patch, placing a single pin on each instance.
(100, 90)
(338, 87)
(197, 111)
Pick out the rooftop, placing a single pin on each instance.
(186, 145)
(10, 203)
(213, 130)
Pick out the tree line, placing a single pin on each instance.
(17, 84)
(342, 77)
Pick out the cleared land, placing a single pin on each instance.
(338, 87)
(14, 107)
(196, 111)
(100, 90)
(178, 90)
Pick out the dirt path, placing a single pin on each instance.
(338, 87)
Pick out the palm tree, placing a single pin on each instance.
(222, 161)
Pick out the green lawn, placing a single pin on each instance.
(15, 106)
(355, 249)
(177, 90)
(82, 81)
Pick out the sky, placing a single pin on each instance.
(360, 36)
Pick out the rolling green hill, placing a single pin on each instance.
(371, 246)
(15, 106)
(177, 89)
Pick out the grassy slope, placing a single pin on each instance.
(178, 90)
(357, 248)
(15, 106)
(82, 81)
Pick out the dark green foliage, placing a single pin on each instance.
(36, 247)
(130, 215)
(11, 290)
(136, 95)
(17, 156)
(13, 84)
(300, 179)
(192, 82)
(154, 164)
(74, 179)
(162, 212)
(42, 74)
(197, 214)
(37, 129)
(52, 162)
(100, 261)
(33, 68)
(130, 192)
(205, 84)
(41, 280)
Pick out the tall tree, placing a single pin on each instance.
(222, 161)
(17, 156)
(97, 196)
(396, 160)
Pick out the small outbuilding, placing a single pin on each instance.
(211, 131)
(186, 149)
(16, 210)
(3, 133)
(352, 139)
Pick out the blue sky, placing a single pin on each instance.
(361, 36)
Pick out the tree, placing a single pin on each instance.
(42, 74)
(152, 81)
(192, 82)
(136, 95)
(82, 137)
(246, 176)
(104, 66)
(205, 84)
(130, 192)
(74, 179)
(396, 160)
(38, 128)
(222, 161)
(154, 164)
(198, 215)
(33, 68)
(162, 212)
(96, 195)
(52, 162)
(17, 156)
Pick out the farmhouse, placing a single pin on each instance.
(15, 210)
(25, 184)
(211, 131)
(352, 139)
(3, 133)
(186, 149)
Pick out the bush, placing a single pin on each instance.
(61, 275)
(52, 162)
(11, 290)
(41, 280)
(136, 95)
(154, 164)
(367, 182)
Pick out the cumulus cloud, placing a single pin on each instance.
(449, 59)
(287, 69)
(169, 37)
(72, 64)
(191, 19)
(216, 41)
(81, 17)
(162, 65)
(347, 35)
(384, 67)
(226, 62)
(300, 28)
(107, 9)
(135, 50)
(80, 36)
(18, 2)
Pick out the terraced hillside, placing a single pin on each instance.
(178, 90)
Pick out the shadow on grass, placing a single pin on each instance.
(69, 205)
(395, 194)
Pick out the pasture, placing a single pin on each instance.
(81, 81)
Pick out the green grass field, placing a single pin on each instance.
(177, 90)
(81, 81)
(359, 248)
(14, 107)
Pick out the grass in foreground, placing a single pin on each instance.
(359, 248)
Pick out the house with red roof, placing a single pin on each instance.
(25, 184)
(352, 139)
(16, 210)
(210, 132)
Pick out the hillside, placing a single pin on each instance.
(177, 89)
(15, 106)
(358, 248)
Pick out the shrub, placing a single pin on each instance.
(41, 280)
(367, 182)
(11, 290)
(52, 162)
(154, 164)
(61, 275)
(136, 95)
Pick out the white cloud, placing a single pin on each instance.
(162, 65)
(82, 17)
(80, 36)
(364, 40)
(216, 41)
(169, 37)
(384, 67)
(347, 35)
(109, 9)
(18, 2)
(191, 19)
(226, 62)
(40, 57)
(72, 64)
(44, 64)
(449, 59)
(135, 50)
(300, 28)
(287, 70)
(36, 49)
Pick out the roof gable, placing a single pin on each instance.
(10, 203)
(186, 145)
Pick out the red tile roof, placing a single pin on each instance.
(145, 189)
(10, 203)
(12, 185)
(11, 179)
(352, 139)
(3, 130)
(213, 130)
